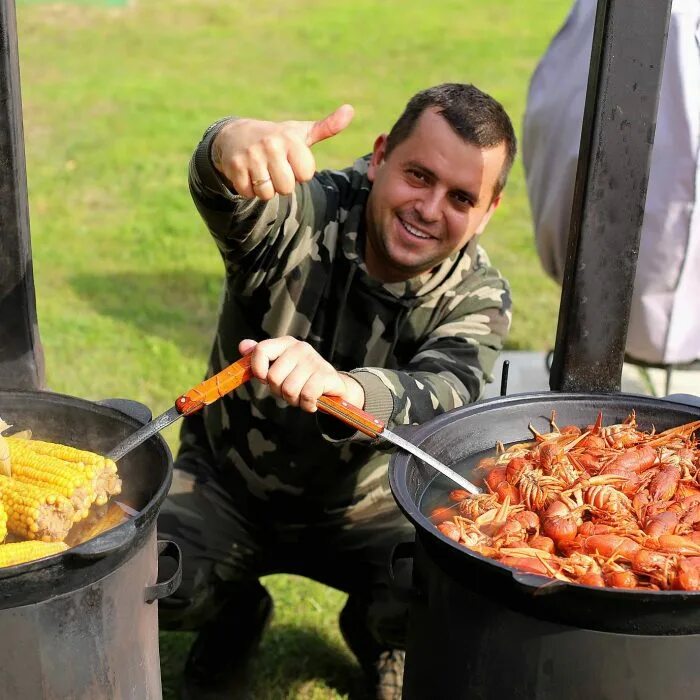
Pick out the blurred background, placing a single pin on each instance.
(115, 97)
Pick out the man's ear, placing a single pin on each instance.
(487, 216)
(377, 159)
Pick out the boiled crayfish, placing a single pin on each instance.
(600, 505)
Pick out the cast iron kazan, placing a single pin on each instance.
(462, 433)
(82, 624)
(478, 629)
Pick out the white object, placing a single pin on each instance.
(665, 318)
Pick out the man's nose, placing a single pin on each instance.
(429, 206)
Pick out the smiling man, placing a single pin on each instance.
(366, 283)
(433, 191)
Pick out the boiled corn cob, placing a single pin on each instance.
(64, 452)
(108, 483)
(34, 512)
(3, 523)
(20, 552)
(74, 481)
(63, 460)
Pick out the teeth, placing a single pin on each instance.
(414, 231)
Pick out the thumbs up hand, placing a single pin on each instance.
(262, 158)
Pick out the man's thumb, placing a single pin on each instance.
(331, 125)
(245, 347)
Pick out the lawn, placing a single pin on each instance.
(116, 96)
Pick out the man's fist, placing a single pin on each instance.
(295, 372)
(261, 158)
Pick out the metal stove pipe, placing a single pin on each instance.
(21, 356)
(619, 122)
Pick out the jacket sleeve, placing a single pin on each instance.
(245, 227)
(451, 366)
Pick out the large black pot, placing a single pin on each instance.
(83, 624)
(480, 629)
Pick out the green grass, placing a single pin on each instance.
(127, 281)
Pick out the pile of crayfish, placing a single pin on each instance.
(604, 506)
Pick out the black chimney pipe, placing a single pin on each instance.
(21, 356)
(619, 122)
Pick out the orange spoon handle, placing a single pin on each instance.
(351, 415)
(239, 372)
(215, 387)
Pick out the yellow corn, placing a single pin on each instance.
(34, 512)
(75, 482)
(3, 523)
(64, 452)
(84, 477)
(107, 483)
(20, 552)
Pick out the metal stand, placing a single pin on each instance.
(21, 356)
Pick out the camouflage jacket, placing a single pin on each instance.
(294, 266)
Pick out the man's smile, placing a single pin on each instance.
(414, 231)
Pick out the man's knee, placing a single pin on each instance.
(179, 520)
(187, 609)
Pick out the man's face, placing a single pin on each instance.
(429, 197)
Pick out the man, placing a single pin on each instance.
(664, 327)
(367, 284)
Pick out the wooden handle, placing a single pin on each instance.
(215, 387)
(350, 415)
(239, 372)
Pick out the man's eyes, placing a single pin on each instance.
(462, 199)
(417, 175)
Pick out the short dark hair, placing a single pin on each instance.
(474, 115)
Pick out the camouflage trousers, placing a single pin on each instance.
(229, 540)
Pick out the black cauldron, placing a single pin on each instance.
(83, 624)
(479, 629)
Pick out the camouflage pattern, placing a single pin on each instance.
(229, 538)
(294, 266)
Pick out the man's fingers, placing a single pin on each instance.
(293, 383)
(331, 125)
(262, 159)
(311, 391)
(246, 346)
(283, 179)
(280, 371)
(255, 159)
(293, 370)
(263, 187)
(320, 384)
(305, 384)
(301, 160)
(240, 181)
(266, 352)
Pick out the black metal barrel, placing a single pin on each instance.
(465, 645)
(84, 624)
(479, 629)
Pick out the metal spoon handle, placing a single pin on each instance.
(370, 425)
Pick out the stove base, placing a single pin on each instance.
(462, 645)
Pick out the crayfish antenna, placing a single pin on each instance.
(681, 431)
(598, 424)
(553, 421)
(538, 436)
(575, 441)
(502, 513)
